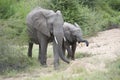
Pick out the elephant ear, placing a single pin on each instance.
(68, 36)
(40, 23)
(67, 31)
(77, 26)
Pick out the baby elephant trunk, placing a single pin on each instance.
(82, 40)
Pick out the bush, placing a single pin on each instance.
(13, 33)
(14, 30)
(115, 4)
(15, 26)
(69, 9)
(11, 56)
(90, 20)
(6, 8)
(91, 15)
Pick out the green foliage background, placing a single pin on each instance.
(91, 15)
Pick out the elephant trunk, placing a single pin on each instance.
(87, 43)
(59, 35)
(62, 56)
(59, 43)
(82, 40)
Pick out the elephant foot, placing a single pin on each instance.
(68, 56)
(56, 66)
(29, 55)
(38, 58)
(43, 64)
(72, 58)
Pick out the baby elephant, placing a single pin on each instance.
(73, 34)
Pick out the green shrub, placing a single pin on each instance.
(115, 4)
(91, 15)
(11, 55)
(15, 26)
(6, 8)
(13, 33)
(90, 20)
(69, 9)
(14, 30)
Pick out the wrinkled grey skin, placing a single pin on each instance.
(46, 26)
(73, 34)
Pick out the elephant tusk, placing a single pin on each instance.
(64, 39)
(56, 40)
(76, 24)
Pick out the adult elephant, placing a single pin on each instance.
(73, 34)
(46, 26)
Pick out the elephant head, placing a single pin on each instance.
(73, 33)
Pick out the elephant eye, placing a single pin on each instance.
(74, 32)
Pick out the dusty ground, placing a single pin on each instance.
(104, 48)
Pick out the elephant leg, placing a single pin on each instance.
(73, 51)
(63, 47)
(30, 49)
(43, 56)
(56, 56)
(69, 51)
(43, 43)
(68, 48)
(63, 50)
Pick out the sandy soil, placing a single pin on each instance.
(104, 48)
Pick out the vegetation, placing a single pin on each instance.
(91, 15)
(11, 56)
